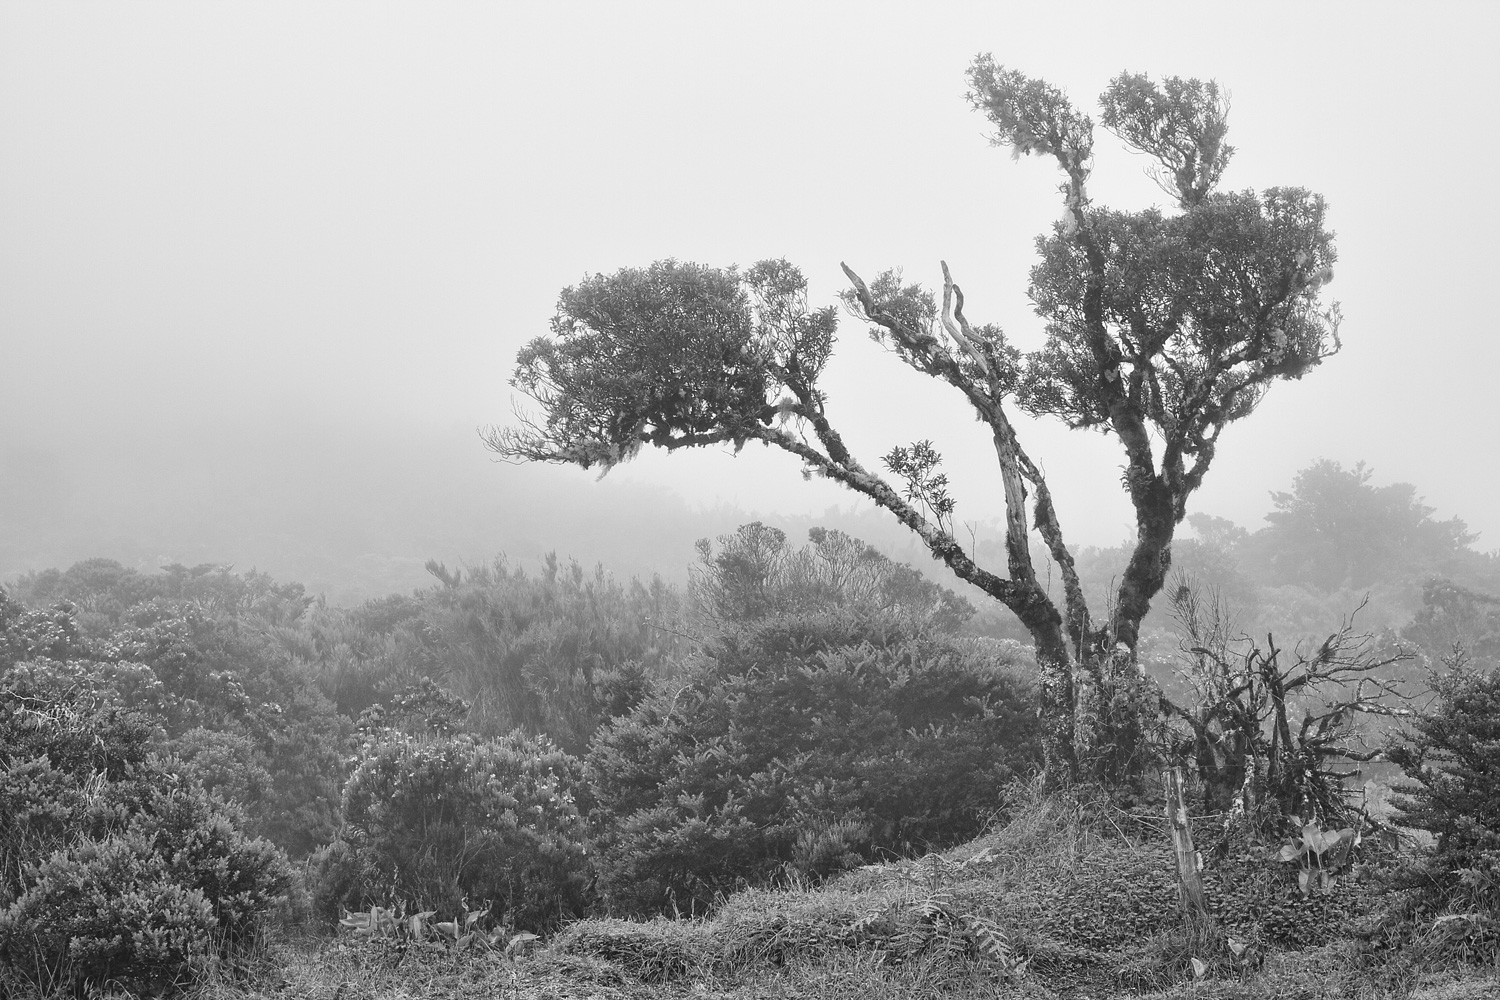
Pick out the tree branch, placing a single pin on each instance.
(925, 353)
(1075, 606)
(940, 543)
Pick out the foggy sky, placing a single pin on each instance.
(260, 263)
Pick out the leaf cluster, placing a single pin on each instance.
(672, 355)
(917, 466)
(1202, 312)
(1180, 123)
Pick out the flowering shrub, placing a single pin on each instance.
(435, 820)
(27, 634)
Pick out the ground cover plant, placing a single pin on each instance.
(1071, 897)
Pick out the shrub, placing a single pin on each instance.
(66, 770)
(306, 748)
(107, 911)
(225, 688)
(242, 879)
(26, 634)
(757, 574)
(1451, 758)
(113, 866)
(225, 764)
(433, 820)
(812, 740)
(418, 708)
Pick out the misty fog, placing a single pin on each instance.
(264, 271)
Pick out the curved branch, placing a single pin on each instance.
(939, 542)
(1028, 602)
(926, 354)
(958, 328)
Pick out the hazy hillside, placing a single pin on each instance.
(351, 513)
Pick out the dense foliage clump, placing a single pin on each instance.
(210, 675)
(115, 867)
(807, 741)
(1451, 759)
(453, 822)
(553, 653)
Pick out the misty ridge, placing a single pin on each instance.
(354, 514)
(351, 513)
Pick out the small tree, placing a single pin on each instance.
(1161, 329)
(1451, 759)
(1335, 530)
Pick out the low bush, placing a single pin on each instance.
(107, 911)
(806, 742)
(236, 708)
(115, 867)
(433, 821)
(242, 879)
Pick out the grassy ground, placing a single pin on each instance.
(1058, 904)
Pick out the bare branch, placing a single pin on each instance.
(956, 325)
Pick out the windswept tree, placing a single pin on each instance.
(1161, 327)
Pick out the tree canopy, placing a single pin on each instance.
(1161, 327)
(1335, 529)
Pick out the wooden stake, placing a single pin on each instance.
(1189, 885)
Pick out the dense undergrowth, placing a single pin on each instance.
(1069, 898)
(807, 776)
